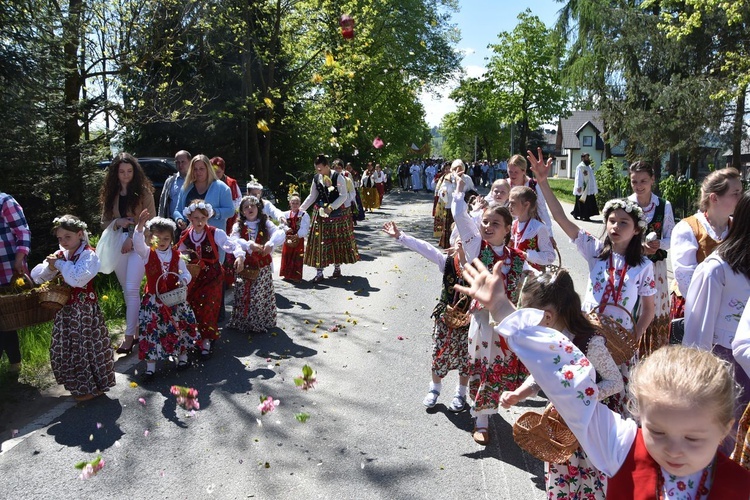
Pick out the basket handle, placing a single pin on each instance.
(179, 282)
(604, 306)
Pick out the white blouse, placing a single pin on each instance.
(530, 229)
(222, 240)
(741, 342)
(541, 207)
(568, 379)
(424, 249)
(276, 235)
(165, 256)
(684, 249)
(304, 222)
(313, 196)
(714, 304)
(76, 274)
(639, 280)
(667, 224)
(449, 186)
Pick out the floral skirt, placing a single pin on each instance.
(254, 303)
(445, 236)
(291, 261)
(165, 331)
(577, 479)
(331, 240)
(80, 353)
(657, 333)
(370, 198)
(618, 403)
(450, 349)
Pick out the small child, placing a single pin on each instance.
(494, 367)
(450, 346)
(255, 188)
(499, 193)
(530, 236)
(254, 296)
(683, 397)
(297, 226)
(165, 331)
(80, 352)
(555, 295)
(202, 242)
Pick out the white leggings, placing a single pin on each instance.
(130, 272)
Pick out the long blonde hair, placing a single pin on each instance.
(190, 176)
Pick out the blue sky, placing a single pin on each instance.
(480, 21)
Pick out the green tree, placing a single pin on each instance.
(524, 72)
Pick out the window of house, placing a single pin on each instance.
(563, 164)
(588, 140)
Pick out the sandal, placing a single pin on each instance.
(183, 365)
(318, 278)
(148, 376)
(481, 436)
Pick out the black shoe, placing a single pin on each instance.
(183, 365)
(147, 377)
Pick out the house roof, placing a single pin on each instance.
(571, 126)
(744, 149)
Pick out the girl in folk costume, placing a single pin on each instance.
(741, 353)
(717, 296)
(202, 243)
(494, 367)
(529, 235)
(80, 352)
(499, 193)
(254, 295)
(370, 197)
(379, 178)
(555, 295)
(450, 343)
(354, 176)
(517, 177)
(166, 330)
(684, 399)
(619, 274)
(658, 212)
(696, 237)
(297, 227)
(447, 187)
(220, 167)
(332, 233)
(441, 206)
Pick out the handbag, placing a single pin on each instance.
(109, 248)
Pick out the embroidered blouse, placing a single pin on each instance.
(165, 256)
(276, 235)
(76, 272)
(639, 280)
(303, 222)
(534, 239)
(741, 342)
(685, 248)
(714, 304)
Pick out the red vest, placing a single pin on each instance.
(207, 250)
(154, 270)
(255, 260)
(636, 479)
(80, 294)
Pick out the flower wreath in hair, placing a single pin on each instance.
(293, 191)
(195, 206)
(162, 221)
(254, 184)
(629, 207)
(78, 224)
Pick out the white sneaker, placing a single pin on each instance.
(431, 399)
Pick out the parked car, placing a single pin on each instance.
(158, 169)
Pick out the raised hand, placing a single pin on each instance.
(391, 229)
(538, 166)
(142, 218)
(488, 288)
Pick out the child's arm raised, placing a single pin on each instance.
(468, 231)
(423, 248)
(139, 240)
(558, 367)
(541, 171)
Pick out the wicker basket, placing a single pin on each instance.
(249, 273)
(551, 268)
(172, 297)
(621, 342)
(21, 310)
(54, 296)
(193, 269)
(292, 240)
(545, 436)
(457, 315)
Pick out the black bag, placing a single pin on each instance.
(676, 331)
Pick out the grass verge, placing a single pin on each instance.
(563, 189)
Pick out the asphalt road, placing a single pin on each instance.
(368, 435)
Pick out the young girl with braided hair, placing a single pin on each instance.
(296, 227)
(529, 235)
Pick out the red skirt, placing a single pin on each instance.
(291, 261)
(204, 296)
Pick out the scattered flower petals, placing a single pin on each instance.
(146, 433)
(400, 337)
(187, 397)
(302, 417)
(90, 469)
(117, 444)
(14, 433)
(91, 437)
(307, 380)
(99, 425)
(267, 405)
(142, 401)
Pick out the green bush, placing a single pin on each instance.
(611, 181)
(682, 193)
